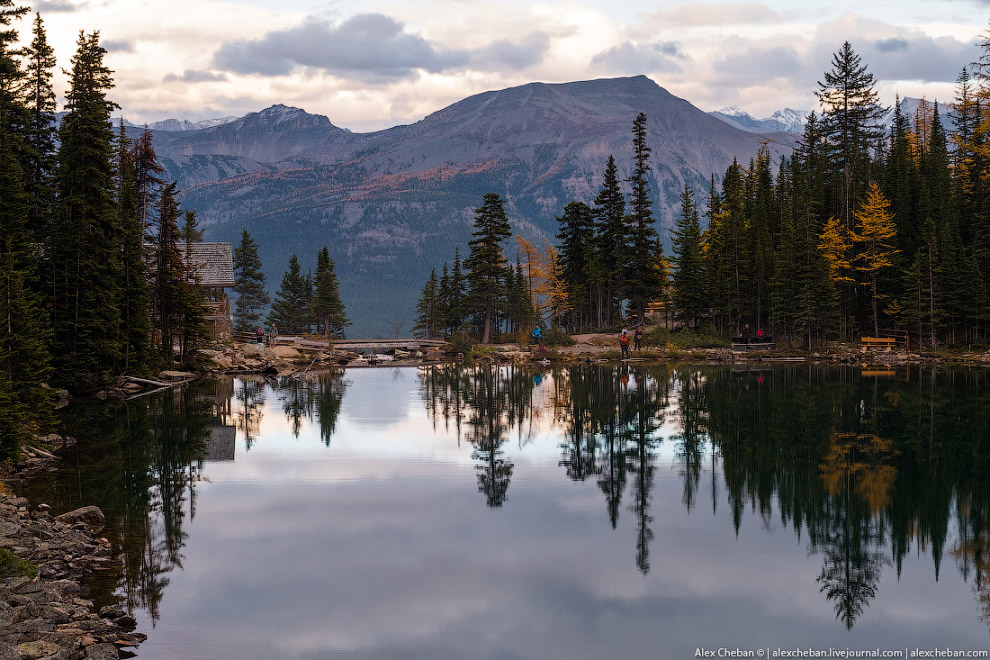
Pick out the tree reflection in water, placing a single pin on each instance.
(863, 469)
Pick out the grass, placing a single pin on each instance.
(13, 566)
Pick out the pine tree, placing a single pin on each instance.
(428, 309)
(40, 140)
(250, 285)
(642, 279)
(610, 213)
(689, 290)
(170, 277)
(328, 309)
(86, 250)
(486, 264)
(148, 181)
(577, 255)
(136, 309)
(24, 358)
(289, 312)
(850, 124)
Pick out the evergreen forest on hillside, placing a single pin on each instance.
(858, 231)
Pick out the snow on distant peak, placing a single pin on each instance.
(733, 111)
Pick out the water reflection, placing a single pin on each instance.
(862, 470)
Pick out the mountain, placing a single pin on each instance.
(787, 120)
(792, 121)
(182, 124)
(393, 204)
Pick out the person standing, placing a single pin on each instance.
(638, 338)
(624, 344)
(272, 334)
(259, 334)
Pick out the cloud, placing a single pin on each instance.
(118, 46)
(757, 64)
(57, 6)
(891, 45)
(701, 15)
(193, 76)
(637, 58)
(503, 53)
(372, 48)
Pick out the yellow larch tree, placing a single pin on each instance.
(875, 230)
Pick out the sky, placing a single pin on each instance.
(373, 64)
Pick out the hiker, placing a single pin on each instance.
(625, 331)
(760, 334)
(746, 333)
(272, 334)
(259, 334)
(624, 344)
(538, 339)
(638, 338)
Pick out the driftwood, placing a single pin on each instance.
(145, 381)
(147, 392)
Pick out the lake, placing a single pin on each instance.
(505, 512)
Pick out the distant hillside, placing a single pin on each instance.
(392, 204)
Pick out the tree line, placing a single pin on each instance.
(93, 283)
(302, 305)
(860, 230)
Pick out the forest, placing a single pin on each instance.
(861, 229)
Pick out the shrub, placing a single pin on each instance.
(12, 566)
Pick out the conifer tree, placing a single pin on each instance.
(249, 285)
(610, 213)
(170, 280)
(875, 230)
(289, 311)
(24, 358)
(486, 264)
(850, 124)
(148, 181)
(40, 140)
(136, 309)
(689, 291)
(642, 279)
(328, 309)
(428, 309)
(86, 238)
(577, 257)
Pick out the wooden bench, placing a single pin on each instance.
(877, 343)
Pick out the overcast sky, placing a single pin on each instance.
(372, 64)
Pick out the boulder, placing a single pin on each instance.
(285, 352)
(91, 516)
(254, 350)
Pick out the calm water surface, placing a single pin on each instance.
(510, 513)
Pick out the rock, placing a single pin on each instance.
(19, 502)
(91, 516)
(38, 649)
(254, 351)
(8, 652)
(285, 352)
(102, 652)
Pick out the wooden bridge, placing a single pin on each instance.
(356, 345)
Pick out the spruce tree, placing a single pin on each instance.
(851, 125)
(689, 290)
(577, 256)
(40, 140)
(428, 309)
(610, 228)
(643, 280)
(24, 360)
(136, 310)
(486, 264)
(89, 341)
(169, 291)
(249, 285)
(328, 309)
(289, 312)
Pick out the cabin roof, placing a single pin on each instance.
(212, 262)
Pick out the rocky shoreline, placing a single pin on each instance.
(44, 612)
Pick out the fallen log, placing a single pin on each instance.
(145, 381)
